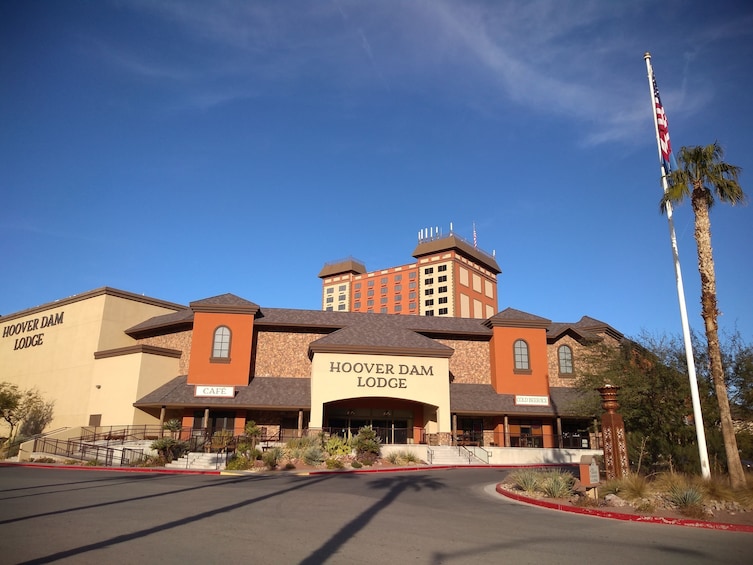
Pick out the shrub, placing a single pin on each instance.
(355, 464)
(313, 455)
(368, 459)
(149, 461)
(557, 484)
(253, 432)
(403, 457)
(173, 425)
(169, 448)
(334, 463)
(715, 489)
(271, 457)
(682, 496)
(248, 451)
(688, 499)
(298, 445)
(635, 486)
(289, 466)
(43, 460)
(367, 445)
(239, 463)
(336, 445)
(527, 480)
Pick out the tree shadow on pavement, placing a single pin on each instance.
(394, 486)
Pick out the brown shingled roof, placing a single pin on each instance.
(379, 337)
(481, 399)
(349, 265)
(510, 317)
(262, 392)
(225, 303)
(458, 244)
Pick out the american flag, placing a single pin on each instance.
(663, 126)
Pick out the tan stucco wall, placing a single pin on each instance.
(62, 366)
(124, 379)
(330, 381)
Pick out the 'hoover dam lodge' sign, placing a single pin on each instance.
(381, 375)
(29, 327)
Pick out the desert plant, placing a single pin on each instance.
(169, 448)
(253, 432)
(402, 457)
(557, 484)
(174, 425)
(333, 463)
(298, 445)
(356, 464)
(714, 489)
(221, 439)
(527, 480)
(635, 486)
(367, 445)
(313, 455)
(337, 445)
(272, 457)
(247, 450)
(687, 499)
(239, 463)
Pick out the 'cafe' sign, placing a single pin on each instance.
(214, 391)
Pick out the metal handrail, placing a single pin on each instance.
(87, 451)
(429, 455)
(480, 453)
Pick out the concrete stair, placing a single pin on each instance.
(449, 455)
(199, 461)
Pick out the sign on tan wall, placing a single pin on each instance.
(27, 334)
(346, 376)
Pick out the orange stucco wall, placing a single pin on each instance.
(202, 370)
(504, 378)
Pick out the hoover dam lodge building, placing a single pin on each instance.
(420, 352)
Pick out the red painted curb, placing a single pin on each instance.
(626, 517)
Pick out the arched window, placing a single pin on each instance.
(565, 355)
(521, 356)
(221, 343)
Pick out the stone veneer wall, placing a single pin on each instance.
(470, 364)
(580, 359)
(283, 354)
(180, 341)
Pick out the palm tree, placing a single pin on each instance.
(704, 177)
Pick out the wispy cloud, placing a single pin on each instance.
(559, 58)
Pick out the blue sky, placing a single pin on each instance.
(187, 149)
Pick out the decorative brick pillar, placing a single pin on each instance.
(613, 432)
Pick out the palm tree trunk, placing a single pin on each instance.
(710, 313)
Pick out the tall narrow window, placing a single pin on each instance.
(565, 355)
(521, 356)
(221, 345)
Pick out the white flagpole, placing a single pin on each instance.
(697, 414)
